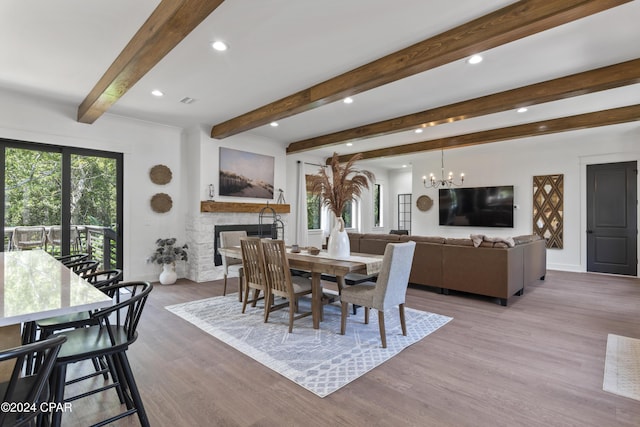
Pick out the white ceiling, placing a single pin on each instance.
(59, 50)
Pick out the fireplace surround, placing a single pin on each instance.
(201, 233)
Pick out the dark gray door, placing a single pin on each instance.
(611, 218)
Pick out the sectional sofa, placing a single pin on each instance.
(482, 265)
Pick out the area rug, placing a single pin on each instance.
(622, 366)
(320, 360)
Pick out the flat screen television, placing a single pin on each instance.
(477, 206)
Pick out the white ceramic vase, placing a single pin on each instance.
(338, 245)
(168, 275)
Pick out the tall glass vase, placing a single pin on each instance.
(338, 245)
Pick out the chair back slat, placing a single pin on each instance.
(277, 268)
(102, 278)
(252, 261)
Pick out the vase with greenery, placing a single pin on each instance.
(166, 254)
(343, 184)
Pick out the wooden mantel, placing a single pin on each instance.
(211, 206)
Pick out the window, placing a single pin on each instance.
(377, 205)
(314, 209)
(72, 194)
(347, 215)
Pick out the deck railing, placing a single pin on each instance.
(98, 241)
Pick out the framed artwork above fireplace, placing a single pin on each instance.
(245, 174)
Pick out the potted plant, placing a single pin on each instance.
(343, 185)
(166, 254)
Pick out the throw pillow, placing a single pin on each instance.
(477, 239)
(508, 240)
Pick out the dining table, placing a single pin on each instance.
(320, 264)
(33, 286)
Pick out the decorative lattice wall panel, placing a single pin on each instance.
(548, 210)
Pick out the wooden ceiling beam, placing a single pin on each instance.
(617, 75)
(582, 121)
(167, 26)
(518, 20)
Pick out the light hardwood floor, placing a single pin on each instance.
(537, 362)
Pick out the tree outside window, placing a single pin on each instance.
(314, 208)
(347, 215)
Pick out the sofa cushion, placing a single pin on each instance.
(388, 237)
(526, 238)
(459, 242)
(427, 239)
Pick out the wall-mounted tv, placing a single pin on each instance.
(477, 206)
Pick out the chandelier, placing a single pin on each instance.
(432, 182)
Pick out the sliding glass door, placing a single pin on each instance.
(62, 200)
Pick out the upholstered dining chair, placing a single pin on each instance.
(388, 291)
(281, 283)
(229, 239)
(253, 267)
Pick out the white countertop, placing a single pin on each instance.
(34, 285)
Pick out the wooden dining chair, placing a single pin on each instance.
(253, 267)
(281, 283)
(389, 290)
(230, 239)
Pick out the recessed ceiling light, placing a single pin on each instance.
(404, 166)
(348, 100)
(349, 144)
(220, 46)
(419, 130)
(474, 59)
(522, 110)
(156, 92)
(273, 124)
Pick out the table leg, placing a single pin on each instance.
(316, 299)
(341, 284)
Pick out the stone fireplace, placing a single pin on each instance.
(201, 232)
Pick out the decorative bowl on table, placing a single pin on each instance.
(313, 250)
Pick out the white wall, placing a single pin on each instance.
(515, 163)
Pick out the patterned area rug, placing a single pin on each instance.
(320, 360)
(622, 366)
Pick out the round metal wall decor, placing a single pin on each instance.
(424, 203)
(160, 174)
(161, 203)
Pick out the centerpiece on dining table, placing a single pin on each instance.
(344, 184)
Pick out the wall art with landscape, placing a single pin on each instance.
(245, 174)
